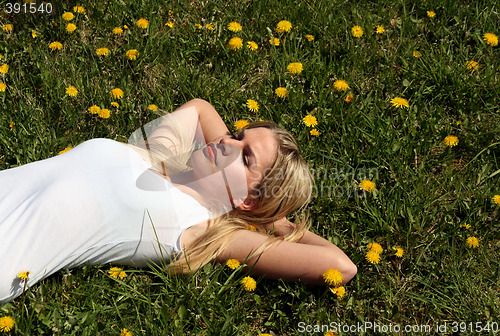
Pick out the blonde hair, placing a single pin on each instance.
(286, 187)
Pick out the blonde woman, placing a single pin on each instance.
(183, 190)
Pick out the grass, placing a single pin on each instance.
(425, 191)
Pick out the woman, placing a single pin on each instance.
(165, 196)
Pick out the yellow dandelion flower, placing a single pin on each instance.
(142, 23)
(102, 51)
(400, 102)
(233, 264)
(12, 124)
(331, 333)
(71, 91)
(235, 43)
(399, 251)
(153, 107)
(310, 120)
(170, 24)
(431, 14)
(283, 26)
(94, 109)
(240, 124)
(1, 57)
(65, 150)
(367, 185)
(3, 87)
(417, 54)
(490, 39)
(496, 199)
(357, 31)
(466, 226)
(252, 105)
(472, 242)
(252, 45)
(116, 272)
(450, 141)
(4, 68)
(309, 37)
(70, 27)
(265, 335)
(349, 97)
(333, 277)
(78, 9)
(55, 46)
(379, 29)
(104, 113)
(274, 41)
(373, 257)
(281, 92)
(125, 332)
(33, 33)
(132, 54)
(249, 284)
(8, 27)
(314, 132)
(339, 291)
(341, 85)
(209, 26)
(375, 247)
(251, 227)
(6, 323)
(116, 93)
(117, 30)
(197, 25)
(234, 26)
(68, 16)
(472, 65)
(115, 104)
(125, 27)
(170, 12)
(295, 68)
(24, 275)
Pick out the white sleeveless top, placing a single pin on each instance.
(85, 206)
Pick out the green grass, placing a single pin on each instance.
(425, 191)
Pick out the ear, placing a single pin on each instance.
(248, 204)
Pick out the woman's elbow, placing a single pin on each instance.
(349, 271)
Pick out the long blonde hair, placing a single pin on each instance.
(285, 188)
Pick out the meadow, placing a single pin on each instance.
(395, 105)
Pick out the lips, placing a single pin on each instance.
(212, 152)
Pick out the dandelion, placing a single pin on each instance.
(283, 26)
(104, 113)
(2, 87)
(251, 227)
(367, 185)
(6, 324)
(331, 333)
(24, 275)
(116, 93)
(125, 27)
(142, 23)
(235, 43)
(252, 105)
(341, 85)
(450, 141)
(339, 291)
(265, 335)
(12, 124)
(125, 332)
(309, 37)
(116, 272)
(496, 199)
(170, 12)
(78, 9)
(333, 277)
(472, 242)
(375, 247)
(197, 25)
(373, 257)
(400, 102)
(115, 104)
(68, 16)
(310, 120)
(1, 57)
(357, 31)
(234, 26)
(7, 27)
(295, 68)
(4, 68)
(233, 264)
(379, 29)
(153, 107)
(281, 92)
(240, 124)
(249, 284)
(71, 91)
(252, 45)
(117, 30)
(33, 33)
(399, 251)
(132, 54)
(55, 46)
(274, 41)
(314, 132)
(431, 14)
(490, 39)
(65, 150)
(417, 54)
(170, 24)
(102, 51)
(472, 65)
(70, 27)
(209, 26)
(94, 109)
(349, 97)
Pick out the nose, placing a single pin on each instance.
(230, 145)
